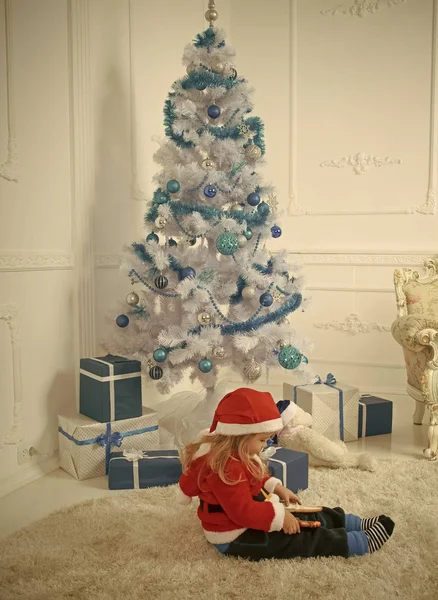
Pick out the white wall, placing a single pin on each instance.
(333, 88)
(36, 261)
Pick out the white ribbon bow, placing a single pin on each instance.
(133, 454)
(268, 452)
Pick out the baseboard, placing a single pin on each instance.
(28, 474)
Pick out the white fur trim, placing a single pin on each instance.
(182, 498)
(278, 520)
(222, 537)
(245, 428)
(271, 483)
(273, 498)
(202, 450)
(289, 413)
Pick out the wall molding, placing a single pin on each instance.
(349, 257)
(427, 206)
(360, 162)
(35, 260)
(360, 8)
(9, 169)
(356, 258)
(10, 313)
(353, 325)
(136, 192)
(83, 179)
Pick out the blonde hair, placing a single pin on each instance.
(222, 449)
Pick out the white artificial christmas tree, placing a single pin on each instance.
(207, 293)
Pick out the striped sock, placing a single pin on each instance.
(379, 533)
(368, 523)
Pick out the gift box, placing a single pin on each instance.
(110, 388)
(375, 416)
(133, 469)
(291, 467)
(85, 445)
(334, 407)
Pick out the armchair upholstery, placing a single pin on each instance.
(416, 330)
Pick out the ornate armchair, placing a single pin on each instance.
(416, 330)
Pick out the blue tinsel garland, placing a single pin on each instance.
(253, 219)
(236, 298)
(207, 39)
(288, 307)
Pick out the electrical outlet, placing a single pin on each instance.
(24, 454)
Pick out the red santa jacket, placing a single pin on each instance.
(240, 510)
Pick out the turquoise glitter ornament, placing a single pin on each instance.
(160, 354)
(205, 365)
(173, 186)
(290, 357)
(248, 234)
(227, 243)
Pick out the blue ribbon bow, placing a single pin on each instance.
(114, 439)
(330, 379)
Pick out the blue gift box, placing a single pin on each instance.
(136, 469)
(110, 388)
(291, 467)
(375, 416)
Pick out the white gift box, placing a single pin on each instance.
(334, 408)
(85, 445)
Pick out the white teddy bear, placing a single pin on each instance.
(297, 435)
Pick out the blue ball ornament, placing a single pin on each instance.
(153, 237)
(253, 199)
(290, 357)
(263, 209)
(173, 186)
(210, 191)
(266, 299)
(205, 365)
(201, 86)
(213, 111)
(161, 197)
(187, 272)
(276, 231)
(160, 354)
(122, 321)
(227, 243)
(172, 243)
(248, 234)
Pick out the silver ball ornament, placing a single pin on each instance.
(252, 369)
(204, 318)
(207, 164)
(281, 344)
(241, 240)
(132, 299)
(235, 208)
(160, 222)
(217, 66)
(233, 74)
(211, 15)
(190, 68)
(253, 153)
(219, 352)
(248, 292)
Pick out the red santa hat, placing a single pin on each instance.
(246, 411)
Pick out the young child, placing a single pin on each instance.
(240, 508)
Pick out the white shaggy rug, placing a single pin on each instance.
(139, 545)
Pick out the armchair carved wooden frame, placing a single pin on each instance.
(416, 330)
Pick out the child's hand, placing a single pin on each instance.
(286, 495)
(290, 524)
